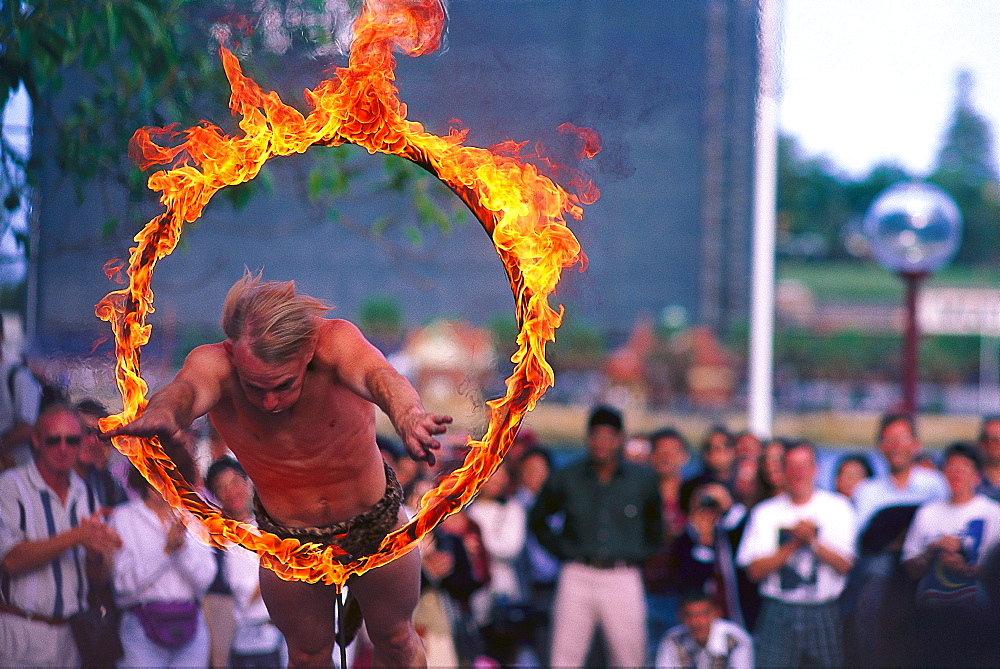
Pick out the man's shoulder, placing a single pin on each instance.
(578, 464)
(932, 507)
(833, 507)
(871, 486)
(730, 629)
(930, 478)
(986, 505)
(771, 506)
(208, 361)
(677, 634)
(830, 498)
(336, 330)
(639, 471)
(209, 357)
(26, 474)
(340, 341)
(10, 478)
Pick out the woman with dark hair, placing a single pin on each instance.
(718, 454)
(256, 642)
(160, 575)
(851, 470)
(771, 471)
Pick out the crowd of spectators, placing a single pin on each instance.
(643, 551)
(637, 551)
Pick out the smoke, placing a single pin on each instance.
(321, 30)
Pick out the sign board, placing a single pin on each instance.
(959, 311)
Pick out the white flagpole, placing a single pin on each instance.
(761, 346)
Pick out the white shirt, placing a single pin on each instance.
(976, 523)
(22, 407)
(143, 572)
(874, 494)
(254, 631)
(503, 526)
(30, 511)
(804, 579)
(728, 645)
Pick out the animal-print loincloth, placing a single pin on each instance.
(359, 536)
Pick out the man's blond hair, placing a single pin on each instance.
(276, 322)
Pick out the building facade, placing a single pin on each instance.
(670, 87)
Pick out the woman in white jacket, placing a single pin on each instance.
(160, 575)
(256, 642)
(503, 522)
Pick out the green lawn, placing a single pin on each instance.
(861, 281)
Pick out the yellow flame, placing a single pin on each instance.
(521, 209)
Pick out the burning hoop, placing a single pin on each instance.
(522, 210)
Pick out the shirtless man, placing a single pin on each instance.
(294, 395)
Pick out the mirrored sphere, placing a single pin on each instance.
(913, 227)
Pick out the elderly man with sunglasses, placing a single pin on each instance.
(49, 545)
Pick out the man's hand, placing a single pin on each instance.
(176, 536)
(417, 429)
(946, 544)
(948, 551)
(805, 531)
(954, 562)
(96, 537)
(151, 424)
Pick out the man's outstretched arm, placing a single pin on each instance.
(192, 393)
(362, 368)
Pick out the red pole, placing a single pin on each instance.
(911, 342)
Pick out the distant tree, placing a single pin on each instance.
(966, 168)
(862, 192)
(381, 319)
(98, 70)
(812, 207)
(820, 207)
(967, 148)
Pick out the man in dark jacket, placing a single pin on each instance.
(612, 524)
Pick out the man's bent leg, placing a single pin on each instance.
(388, 595)
(303, 612)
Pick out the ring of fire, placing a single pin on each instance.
(522, 210)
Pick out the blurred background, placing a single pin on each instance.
(869, 94)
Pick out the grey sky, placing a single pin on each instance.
(872, 80)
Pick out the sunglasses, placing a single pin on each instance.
(56, 439)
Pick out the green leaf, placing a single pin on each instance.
(239, 196)
(380, 225)
(109, 227)
(112, 21)
(314, 185)
(414, 235)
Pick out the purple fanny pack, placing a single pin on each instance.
(169, 624)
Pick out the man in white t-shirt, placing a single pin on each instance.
(799, 547)
(905, 483)
(945, 549)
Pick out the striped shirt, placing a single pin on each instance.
(30, 511)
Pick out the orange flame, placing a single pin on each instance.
(522, 210)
